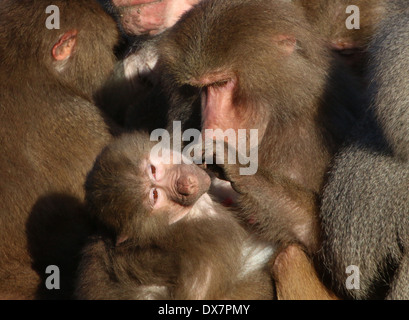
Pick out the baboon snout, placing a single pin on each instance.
(188, 185)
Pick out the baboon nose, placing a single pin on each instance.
(187, 185)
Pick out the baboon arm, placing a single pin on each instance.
(296, 279)
(279, 210)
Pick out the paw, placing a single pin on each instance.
(225, 163)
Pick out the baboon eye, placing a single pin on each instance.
(153, 171)
(154, 196)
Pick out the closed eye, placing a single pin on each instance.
(220, 83)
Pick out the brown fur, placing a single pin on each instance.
(296, 278)
(329, 17)
(300, 100)
(50, 134)
(198, 257)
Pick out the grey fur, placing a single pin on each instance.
(365, 205)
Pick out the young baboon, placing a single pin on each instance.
(162, 236)
(50, 135)
(365, 206)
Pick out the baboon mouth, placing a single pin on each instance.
(216, 171)
(213, 170)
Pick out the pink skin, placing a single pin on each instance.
(218, 109)
(170, 184)
(151, 16)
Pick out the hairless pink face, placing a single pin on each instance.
(151, 16)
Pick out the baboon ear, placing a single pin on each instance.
(64, 48)
(286, 42)
(121, 239)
